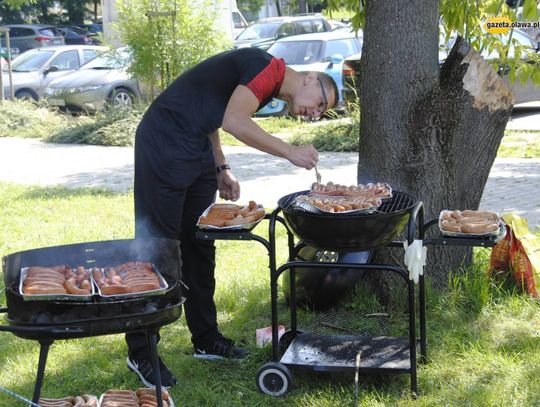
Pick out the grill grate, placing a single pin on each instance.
(399, 202)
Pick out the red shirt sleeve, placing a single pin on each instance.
(268, 82)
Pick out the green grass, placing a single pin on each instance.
(524, 144)
(483, 337)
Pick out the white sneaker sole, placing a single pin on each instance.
(204, 356)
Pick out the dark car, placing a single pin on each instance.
(76, 36)
(28, 36)
(94, 28)
(263, 33)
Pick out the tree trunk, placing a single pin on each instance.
(430, 132)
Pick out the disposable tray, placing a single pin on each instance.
(163, 285)
(308, 207)
(170, 402)
(52, 297)
(388, 187)
(247, 227)
(500, 231)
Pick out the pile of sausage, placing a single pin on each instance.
(469, 222)
(57, 280)
(371, 190)
(77, 401)
(143, 397)
(337, 204)
(131, 277)
(223, 214)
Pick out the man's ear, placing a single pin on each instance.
(310, 77)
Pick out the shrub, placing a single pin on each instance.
(27, 119)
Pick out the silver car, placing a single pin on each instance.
(101, 83)
(36, 68)
(28, 36)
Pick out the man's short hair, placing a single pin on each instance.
(329, 83)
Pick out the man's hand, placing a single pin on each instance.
(228, 186)
(304, 156)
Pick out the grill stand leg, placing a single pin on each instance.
(152, 343)
(43, 353)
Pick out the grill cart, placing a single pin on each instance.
(339, 233)
(47, 320)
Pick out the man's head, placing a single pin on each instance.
(317, 94)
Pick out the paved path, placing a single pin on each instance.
(513, 184)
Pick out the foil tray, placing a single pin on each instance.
(247, 227)
(163, 285)
(390, 191)
(306, 206)
(170, 402)
(53, 297)
(501, 231)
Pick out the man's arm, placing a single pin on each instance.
(228, 186)
(237, 121)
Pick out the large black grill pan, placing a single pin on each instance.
(349, 232)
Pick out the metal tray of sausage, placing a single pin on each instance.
(163, 285)
(301, 203)
(500, 232)
(169, 402)
(246, 227)
(385, 198)
(53, 297)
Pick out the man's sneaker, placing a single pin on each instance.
(218, 349)
(143, 367)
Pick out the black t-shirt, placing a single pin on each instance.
(193, 106)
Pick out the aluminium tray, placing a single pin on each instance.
(247, 227)
(500, 231)
(163, 285)
(53, 297)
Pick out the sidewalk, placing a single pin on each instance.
(513, 184)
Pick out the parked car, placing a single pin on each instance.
(76, 35)
(101, 83)
(28, 36)
(36, 68)
(323, 52)
(263, 33)
(95, 28)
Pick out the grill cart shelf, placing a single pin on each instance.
(48, 320)
(336, 352)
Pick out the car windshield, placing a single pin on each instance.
(258, 31)
(110, 60)
(297, 52)
(31, 61)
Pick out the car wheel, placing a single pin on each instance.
(120, 98)
(26, 95)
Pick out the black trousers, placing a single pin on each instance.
(170, 195)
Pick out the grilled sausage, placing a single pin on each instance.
(72, 288)
(113, 289)
(39, 290)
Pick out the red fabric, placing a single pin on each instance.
(268, 82)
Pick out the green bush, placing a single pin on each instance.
(111, 128)
(332, 135)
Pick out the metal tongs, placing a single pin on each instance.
(317, 175)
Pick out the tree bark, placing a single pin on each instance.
(430, 132)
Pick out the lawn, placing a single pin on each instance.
(483, 337)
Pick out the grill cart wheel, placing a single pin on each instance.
(274, 379)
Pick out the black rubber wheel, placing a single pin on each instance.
(120, 98)
(274, 379)
(26, 95)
